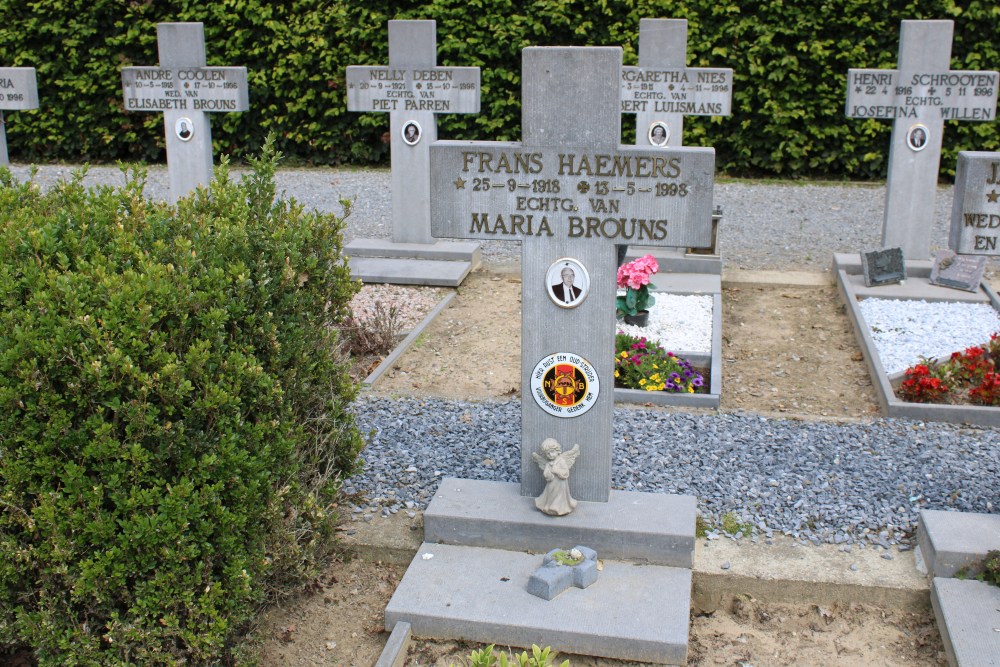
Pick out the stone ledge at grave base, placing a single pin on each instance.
(917, 286)
(651, 527)
(441, 264)
(968, 615)
(633, 612)
(950, 541)
(782, 572)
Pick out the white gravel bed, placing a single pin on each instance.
(679, 323)
(904, 331)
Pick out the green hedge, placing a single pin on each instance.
(790, 59)
(173, 421)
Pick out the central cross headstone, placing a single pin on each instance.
(570, 192)
(919, 96)
(185, 90)
(412, 89)
(18, 91)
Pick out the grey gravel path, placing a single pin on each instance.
(785, 227)
(854, 484)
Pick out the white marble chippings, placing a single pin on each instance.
(678, 323)
(904, 330)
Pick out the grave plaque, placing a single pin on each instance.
(918, 96)
(975, 211)
(883, 267)
(18, 91)
(412, 89)
(957, 271)
(570, 192)
(185, 90)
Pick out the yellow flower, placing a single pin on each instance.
(616, 373)
(642, 381)
(690, 389)
(624, 354)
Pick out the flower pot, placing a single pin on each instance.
(640, 319)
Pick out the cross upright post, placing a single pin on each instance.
(570, 192)
(412, 89)
(662, 90)
(18, 90)
(185, 90)
(919, 96)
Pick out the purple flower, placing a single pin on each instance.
(697, 381)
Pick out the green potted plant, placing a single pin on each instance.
(633, 277)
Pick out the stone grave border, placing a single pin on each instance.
(847, 264)
(713, 360)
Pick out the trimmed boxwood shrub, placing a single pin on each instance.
(173, 413)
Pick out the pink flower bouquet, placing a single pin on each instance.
(634, 277)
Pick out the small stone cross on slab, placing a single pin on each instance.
(570, 192)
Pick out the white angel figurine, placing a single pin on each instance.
(555, 464)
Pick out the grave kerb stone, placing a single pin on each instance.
(185, 90)
(412, 91)
(919, 96)
(570, 190)
(18, 91)
(975, 211)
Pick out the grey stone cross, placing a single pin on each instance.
(412, 89)
(185, 90)
(570, 192)
(18, 90)
(919, 96)
(662, 89)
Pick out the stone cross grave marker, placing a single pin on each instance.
(18, 91)
(570, 192)
(185, 90)
(412, 89)
(662, 89)
(919, 96)
(975, 211)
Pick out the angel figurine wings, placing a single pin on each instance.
(555, 464)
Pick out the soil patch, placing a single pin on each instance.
(787, 350)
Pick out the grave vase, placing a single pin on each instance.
(640, 319)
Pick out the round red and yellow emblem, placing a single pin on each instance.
(565, 384)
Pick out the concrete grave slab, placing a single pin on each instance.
(950, 541)
(653, 527)
(968, 615)
(633, 612)
(408, 271)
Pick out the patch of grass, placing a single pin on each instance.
(731, 525)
